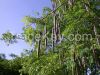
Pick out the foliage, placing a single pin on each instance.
(9, 38)
(10, 67)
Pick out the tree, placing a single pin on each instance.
(56, 54)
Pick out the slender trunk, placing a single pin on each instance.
(56, 31)
(45, 30)
(54, 26)
(59, 35)
(53, 39)
(96, 35)
(94, 58)
(74, 69)
(79, 66)
(39, 46)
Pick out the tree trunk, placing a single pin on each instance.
(96, 35)
(53, 39)
(39, 45)
(45, 30)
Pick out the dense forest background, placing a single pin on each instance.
(65, 41)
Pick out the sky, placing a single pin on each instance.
(11, 15)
